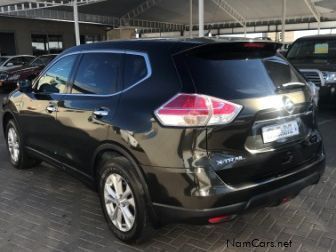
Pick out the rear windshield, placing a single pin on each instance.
(313, 49)
(239, 75)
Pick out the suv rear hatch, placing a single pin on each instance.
(275, 132)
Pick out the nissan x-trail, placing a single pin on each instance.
(171, 130)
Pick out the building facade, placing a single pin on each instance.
(36, 37)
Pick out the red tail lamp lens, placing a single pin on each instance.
(219, 219)
(196, 110)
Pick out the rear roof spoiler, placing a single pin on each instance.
(217, 49)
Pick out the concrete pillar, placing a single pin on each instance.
(75, 10)
(283, 23)
(201, 18)
(190, 18)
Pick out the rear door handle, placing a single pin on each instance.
(101, 112)
(51, 108)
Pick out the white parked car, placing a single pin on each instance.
(10, 62)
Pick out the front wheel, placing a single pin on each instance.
(18, 155)
(122, 199)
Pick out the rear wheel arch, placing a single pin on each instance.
(108, 151)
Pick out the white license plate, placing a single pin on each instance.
(279, 131)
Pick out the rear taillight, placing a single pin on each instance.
(196, 110)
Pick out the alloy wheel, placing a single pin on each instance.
(13, 144)
(119, 202)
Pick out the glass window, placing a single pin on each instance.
(42, 60)
(14, 62)
(25, 60)
(46, 44)
(56, 78)
(231, 79)
(55, 43)
(39, 44)
(240, 73)
(313, 49)
(89, 39)
(135, 69)
(98, 73)
(2, 60)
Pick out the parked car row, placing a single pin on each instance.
(21, 67)
(171, 130)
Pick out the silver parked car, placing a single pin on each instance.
(10, 62)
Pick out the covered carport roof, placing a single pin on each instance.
(177, 11)
(174, 15)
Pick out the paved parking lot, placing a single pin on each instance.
(45, 209)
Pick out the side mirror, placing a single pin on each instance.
(25, 86)
(9, 64)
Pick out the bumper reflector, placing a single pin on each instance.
(219, 219)
(285, 200)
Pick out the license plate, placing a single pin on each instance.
(279, 131)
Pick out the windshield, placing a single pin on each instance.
(3, 59)
(313, 49)
(42, 61)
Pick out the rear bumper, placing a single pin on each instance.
(232, 201)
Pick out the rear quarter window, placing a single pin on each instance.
(135, 69)
(98, 74)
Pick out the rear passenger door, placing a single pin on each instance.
(87, 111)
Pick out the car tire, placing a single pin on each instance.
(127, 219)
(19, 157)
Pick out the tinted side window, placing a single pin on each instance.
(56, 78)
(26, 60)
(98, 73)
(14, 61)
(21, 61)
(135, 69)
